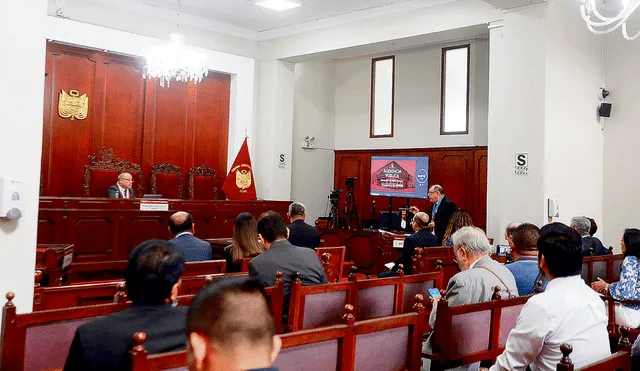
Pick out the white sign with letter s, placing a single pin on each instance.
(521, 164)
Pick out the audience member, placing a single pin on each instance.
(245, 242)
(525, 256)
(281, 256)
(567, 312)
(181, 225)
(421, 238)
(628, 288)
(123, 188)
(152, 277)
(229, 327)
(458, 220)
(583, 225)
(594, 226)
(406, 220)
(508, 233)
(480, 275)
(300, 233)
(441, 212)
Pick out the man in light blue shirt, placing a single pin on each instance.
(524, 252)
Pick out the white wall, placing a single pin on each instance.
(573, 139)
(448, 16)
(417, 100)
(22, 81)
(242, 69)
(314, 116)
(621, 175)
(140, 19)
(516, 119)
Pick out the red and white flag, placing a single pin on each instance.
(240, 184)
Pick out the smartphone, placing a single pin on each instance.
(434, 293)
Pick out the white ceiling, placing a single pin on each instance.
(247, 16)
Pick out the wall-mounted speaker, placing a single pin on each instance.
(605, 110)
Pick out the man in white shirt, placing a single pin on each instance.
(567, 312)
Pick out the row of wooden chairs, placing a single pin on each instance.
(166, 179)
(356, 345)
(40, 340)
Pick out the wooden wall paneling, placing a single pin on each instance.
(171, 124)
(94, 236)
(480, 187)
(144, 226)
(69, 141)
(211, 133)
(459, 170)
(47, 127)
(123, 118)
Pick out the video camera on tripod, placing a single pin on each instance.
(334, 195)
(350, 183)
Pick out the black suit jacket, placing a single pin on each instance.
(598, 248)
(284, 257)
(114, 192)
(303, 235)
(442, 217)
(193, 248)
(422, 238)
(102, 344)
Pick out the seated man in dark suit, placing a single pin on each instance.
(281, 256)
(152, 278)
(583, 226)
(181, 225)
(300, 233)
(229, 327)
(421, 238)
(123, 189)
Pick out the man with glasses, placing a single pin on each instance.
(123, 189)
(441, 212)
(421, 238)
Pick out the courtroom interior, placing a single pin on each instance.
(319, 185)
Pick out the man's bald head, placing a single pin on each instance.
(421, 219)
(180, 222)
(125, 180)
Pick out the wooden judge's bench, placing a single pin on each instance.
(103, 229)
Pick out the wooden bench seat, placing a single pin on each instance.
(606, 267)
(104, 292)
(332, 259)
(40, 340)
(322, 305)
(114, 270)
(54, 260)
(466, 334)
(346, 347)
(619, 361)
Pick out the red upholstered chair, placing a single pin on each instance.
(166, 180)
(103, 170)
(203, 183)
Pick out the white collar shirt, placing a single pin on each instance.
(183, 233)
(567, 312)
(122, 190)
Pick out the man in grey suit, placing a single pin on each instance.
(480, 275)
(280, 255)
(194, 249)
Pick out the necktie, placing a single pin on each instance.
(126, 193)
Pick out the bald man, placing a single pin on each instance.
(421, 237)
(123, 189)
(182, 227)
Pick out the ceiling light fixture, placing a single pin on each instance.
(601, 24)
(278, 5)
(175, 61)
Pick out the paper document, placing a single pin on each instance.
(390, 265)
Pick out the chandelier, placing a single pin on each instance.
(175, 61)
(600, 24)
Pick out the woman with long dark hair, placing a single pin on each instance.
(628, 288)
(245, 242)
(458, 220)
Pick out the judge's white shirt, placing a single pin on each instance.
(569, 312)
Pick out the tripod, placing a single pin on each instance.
(334, 217)
(351, 211)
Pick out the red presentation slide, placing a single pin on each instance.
(393, 176)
